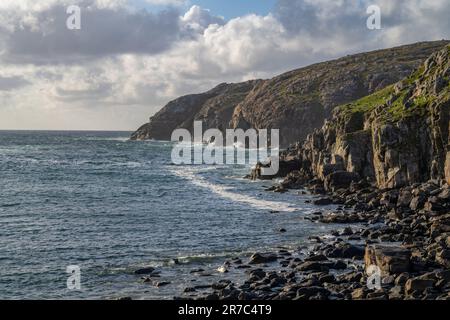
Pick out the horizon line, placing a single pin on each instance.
(67, 130)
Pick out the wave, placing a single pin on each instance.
(226, 193)
(120, 139)
(9, 205)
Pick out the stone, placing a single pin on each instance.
(377, 295)
(417, 202)
(327, 169)
(443, 258)
(444, 275)
(390, 260)
(144, 271)
(259, 258)
(359, 294)
(416, 284)
(401, 279)
(339, 265)
(327, 278)
(347, 251)
(219, 285)
(396, 293)
(350, 277)
(388, 280)
(212, 297)
(347, 232)
(323, 202)
(340, 179)
(318, 257)
(444, 194)
(404, 198)
(159, 284)
(196, 270)
(307, 292)
(433, 204)
(314, 266)
(258, 273)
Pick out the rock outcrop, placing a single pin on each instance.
(296, 102)
(391, 260)
(395, 137)
(214, 108)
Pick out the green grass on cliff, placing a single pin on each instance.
(369, 102)
(398, 110)
(399, 106)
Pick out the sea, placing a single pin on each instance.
(110, 206)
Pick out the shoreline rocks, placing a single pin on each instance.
(410, 248)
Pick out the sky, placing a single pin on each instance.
(131, 57)
(228, 9)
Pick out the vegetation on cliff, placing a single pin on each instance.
(397, 136)
(296, 102)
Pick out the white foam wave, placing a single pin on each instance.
(224, 192)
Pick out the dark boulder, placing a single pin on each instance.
(259, 258)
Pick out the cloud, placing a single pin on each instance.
(44, 38)
(126, 63)
(342, 24)
(198, 19)
(167, 2)
(12, 83)
(97, 92)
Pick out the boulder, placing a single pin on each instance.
(340, 179)
(434, 204)
(323, 202)
(307, 292)
(417, 202)
(443, 258)
(418, 285)
(327, 169)
(390, 260)
(359, 294)
(346, 251)
(315, 266)
(396, 293)
(404, 198)
(147, 270)
(259, 258)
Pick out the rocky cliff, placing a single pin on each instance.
(214, 108)
(296, 102)
(395, 137)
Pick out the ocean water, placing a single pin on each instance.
(110, 206)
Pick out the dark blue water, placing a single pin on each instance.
(109, 205)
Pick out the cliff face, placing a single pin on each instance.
(296, 102)
(395, 137)
(214, 108)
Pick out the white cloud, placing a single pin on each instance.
(101, 81)
(199, 19)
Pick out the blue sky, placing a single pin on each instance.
(226, 8)
(234, 8)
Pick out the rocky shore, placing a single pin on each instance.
(385, 161)
(406, 237)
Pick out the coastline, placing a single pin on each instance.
(334, 267)
(384, 158)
